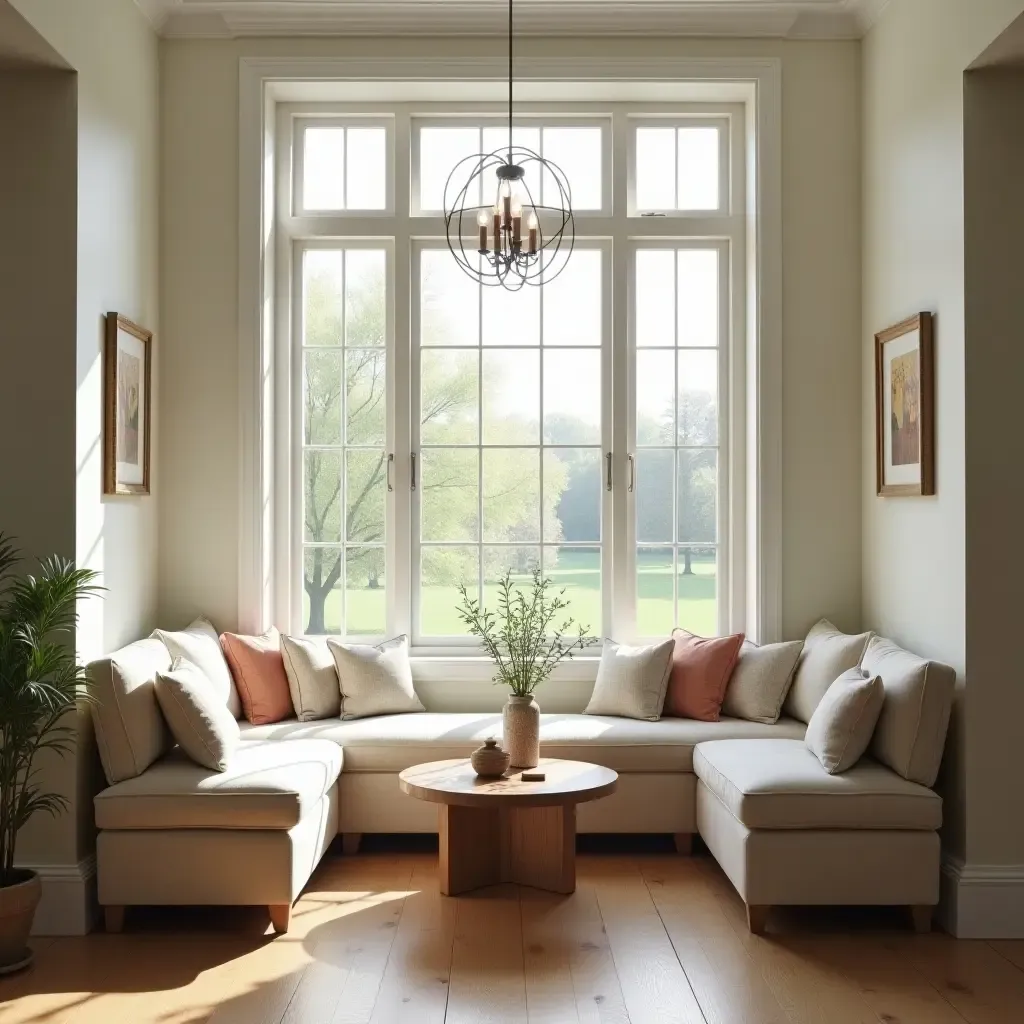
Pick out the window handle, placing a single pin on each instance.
(632, 473)
(391, 462)
(608, 472)
(413, 477)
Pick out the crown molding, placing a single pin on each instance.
(786, 19)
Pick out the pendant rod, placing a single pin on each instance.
(510, 81)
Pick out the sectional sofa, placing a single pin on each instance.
(783, 829)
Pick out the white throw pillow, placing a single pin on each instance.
(631, 681)
(200, 644)
(202, 725)
(375, 680)
(312, 678)
(760, 681)
(843, 723)
(828, 653)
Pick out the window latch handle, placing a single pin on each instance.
(632, 473)
(391, 462)
(412, 478)
(608, 474)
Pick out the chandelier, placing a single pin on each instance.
(504, 254)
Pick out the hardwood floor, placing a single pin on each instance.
(646, 939)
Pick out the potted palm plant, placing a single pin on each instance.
(525, 641)
(40, 682)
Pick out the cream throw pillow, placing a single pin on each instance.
(312, 678)
(828, 653)
(631, 681)
(200, 644)
(842, 725)
(375, 680)
(760, 681)
(204, 728)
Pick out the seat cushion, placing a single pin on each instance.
(392, 743)
(780, 784)
(266, 786)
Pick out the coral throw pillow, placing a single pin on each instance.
(700, 673)
(258, 670)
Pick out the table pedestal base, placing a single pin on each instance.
(533, 846)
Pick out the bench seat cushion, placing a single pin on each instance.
(392, 743)
(266, 786)
(779, 784)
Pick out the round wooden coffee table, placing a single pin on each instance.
(507, 830)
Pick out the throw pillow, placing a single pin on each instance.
(200, 644)
(760, 681)
(312, 678)
(204, 728)
(700, 672)
(827, 654)
(258, 670)
(631, 681)
(843, 723)
(375, 680)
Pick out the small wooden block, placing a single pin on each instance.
(113, 919)
(757, 919)
(280, 917)
(922, 918)
(533, 777)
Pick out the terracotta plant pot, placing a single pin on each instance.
(521, 725)
(18, 904)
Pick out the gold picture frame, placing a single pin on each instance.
(127, 404)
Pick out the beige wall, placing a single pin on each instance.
(199, 454)
(915, 549)
(113, 50)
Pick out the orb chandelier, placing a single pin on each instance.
(489, 241)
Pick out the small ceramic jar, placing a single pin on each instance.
(489, 761)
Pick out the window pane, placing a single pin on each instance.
(364, 396)
(698, 297)
(321, 505)
(365, 610)
(449, 301)
(520, 561)
(448, 396)
(496, 138)
(365, 495)
(321, 397)
(572, 301)
(572, 494)
(578, 570)
(511, 498)
(654, 483)
(699, 168)
(366, 167)
(511, 396)
(655, 371)
(655, 599)
(572, 396)
(321, 590)
(655, 298)
(442, 569)
(698, 496)
(322, 297)
(449, 484)
(511, 318)
(655, 168)
(441, 149)
(366, 295)
(698, 397)
(577, 152)
(323, 169)
(697, 581)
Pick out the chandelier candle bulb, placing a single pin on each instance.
(517, 224)
(481, 221)
(497, 230)
(532, 225)
(506, 202)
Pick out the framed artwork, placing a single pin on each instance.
(127, 401)
(905, 408)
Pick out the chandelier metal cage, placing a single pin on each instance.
(489, 242)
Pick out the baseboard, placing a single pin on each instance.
(68, 905)
(982, 901)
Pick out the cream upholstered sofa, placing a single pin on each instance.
(174, 833)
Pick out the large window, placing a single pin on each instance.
(444, 433)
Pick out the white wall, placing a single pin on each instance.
(199, 455)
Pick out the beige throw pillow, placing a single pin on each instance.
(199, 643)
(828, 653)
(843, 723)
(204, 728)
(631, 681)
(312, 678)
(760, 681)
(375, 680)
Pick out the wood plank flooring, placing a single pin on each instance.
(646, 939)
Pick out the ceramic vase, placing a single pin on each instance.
(489, 761)
(521, 724)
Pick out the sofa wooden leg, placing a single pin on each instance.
(280, 916)
(350, 843)
(113, 919)
(757, 919)
(684, 843)
(922, 917)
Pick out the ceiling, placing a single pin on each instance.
(794, 19)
